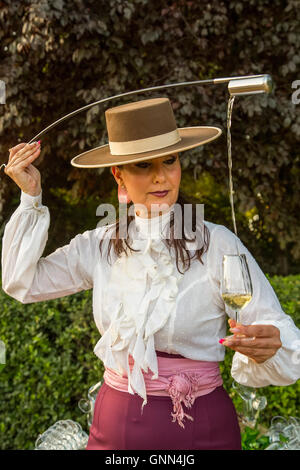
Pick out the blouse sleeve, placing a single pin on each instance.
(28, 277)
(284, 367)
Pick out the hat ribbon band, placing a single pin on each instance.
(145, 145)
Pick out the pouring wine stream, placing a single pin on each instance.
(235, 300)
(252, 404)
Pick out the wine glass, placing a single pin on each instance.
(237, 290)
(236, 285)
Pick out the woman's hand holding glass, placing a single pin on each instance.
(259, 342)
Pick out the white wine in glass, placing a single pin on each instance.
(236, 288)
(236, 285)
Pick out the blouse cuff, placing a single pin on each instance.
(277, 370)
(28, 202)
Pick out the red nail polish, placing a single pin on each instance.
(39, 142)
(221, 341)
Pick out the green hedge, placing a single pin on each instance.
(50, 365)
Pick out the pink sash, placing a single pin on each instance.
(180, 378)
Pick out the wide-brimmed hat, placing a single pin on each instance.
(142, 130)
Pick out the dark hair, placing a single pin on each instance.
(178, 244)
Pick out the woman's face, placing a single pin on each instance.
(143, 178)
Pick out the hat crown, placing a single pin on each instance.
(140, 120)
(142, 130)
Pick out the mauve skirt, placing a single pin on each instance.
(119, 425)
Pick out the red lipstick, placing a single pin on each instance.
(160, 193)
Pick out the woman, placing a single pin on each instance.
(158, 305)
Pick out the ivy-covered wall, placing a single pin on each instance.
(58, 56)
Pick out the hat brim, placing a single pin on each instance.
(190, 137)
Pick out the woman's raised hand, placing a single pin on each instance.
(20, 169)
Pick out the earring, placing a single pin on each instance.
(123, 195)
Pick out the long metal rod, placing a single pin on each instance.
(213, 81)
(240, 89)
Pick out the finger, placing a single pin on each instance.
(258, 355)
(259, 331)
(23, 153)
(17, 151)
(253, 347)
(14, 150)
(234, 342)
(27, 160)
(22, 163)
(231, 322)
(252, 342)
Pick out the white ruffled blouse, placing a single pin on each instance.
(141, 303)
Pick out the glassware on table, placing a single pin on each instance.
(62, 435)
(284, 433)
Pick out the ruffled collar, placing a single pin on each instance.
(139, 300)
